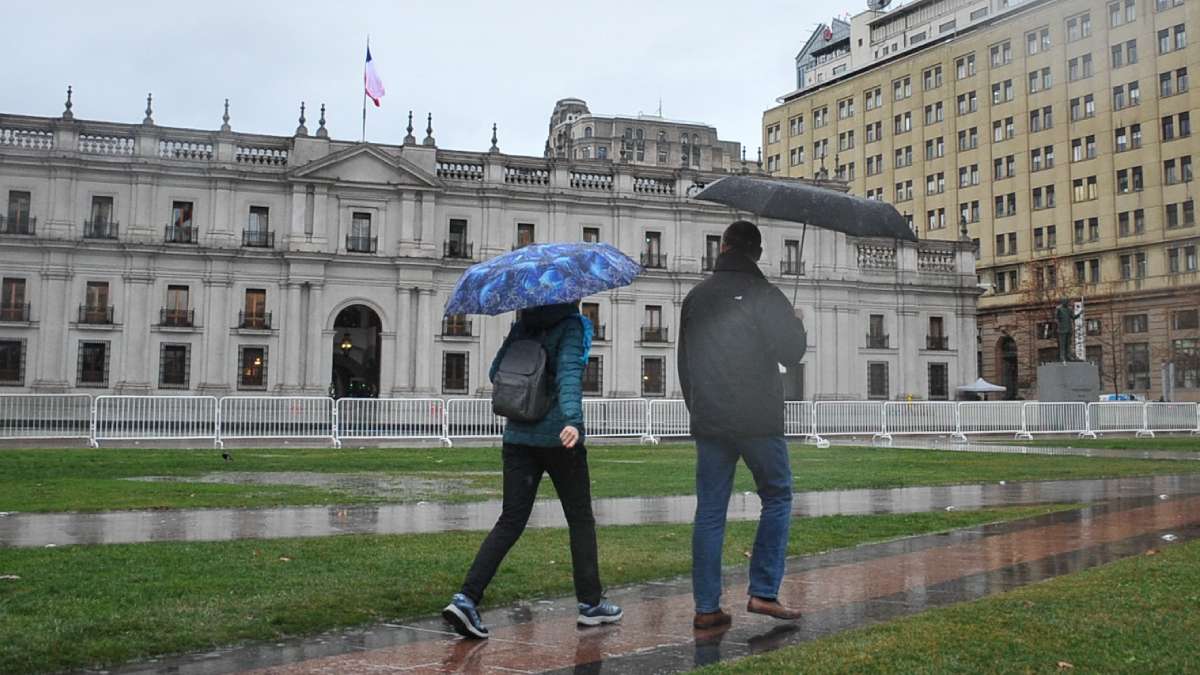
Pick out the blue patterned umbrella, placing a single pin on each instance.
(540, 274)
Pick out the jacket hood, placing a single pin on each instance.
(736, 261)
(546, 316)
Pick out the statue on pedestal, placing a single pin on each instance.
(1066, 328)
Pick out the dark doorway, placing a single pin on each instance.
(1007, 357)
(356, 350)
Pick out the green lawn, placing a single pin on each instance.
(1140, 615)
(1180, 443)
(89, 480)
(82, 606)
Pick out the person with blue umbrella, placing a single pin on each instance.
(538, 386)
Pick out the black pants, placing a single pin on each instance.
(523, 468)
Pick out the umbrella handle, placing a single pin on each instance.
(796, 290)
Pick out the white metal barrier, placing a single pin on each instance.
(1173, 417)
(990, 417)
(392, 418)
(848, 418)
(669, 417)
(798, 419)
(127, 418)
(617, 418)
(26, 416)
(278, 417)
(920, 418)
(472, 418)
(1118, 417)
(1054, 418)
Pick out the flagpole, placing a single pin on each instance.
(364, 120)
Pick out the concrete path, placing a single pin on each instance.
(120, 527)
(837, 591)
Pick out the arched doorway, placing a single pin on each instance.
(1007, 357)
(356, 349)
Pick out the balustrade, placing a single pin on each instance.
(876, 257)
(186, 150)
(27, 139)
(460, 171)
(97, 144)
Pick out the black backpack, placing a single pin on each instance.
(522, 388)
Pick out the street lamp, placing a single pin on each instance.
(346, 345)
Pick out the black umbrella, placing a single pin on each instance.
(808, 204)
(805, 203)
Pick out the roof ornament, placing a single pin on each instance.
(149, 110)
(302, 130)
(67, 114)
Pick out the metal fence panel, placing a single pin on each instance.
(1173, 417)
(1055, 418)
(798, 418)
(45, 416)
(990, 417)
(1116, 416)
(278, 417)
(616, 417)
(155, 417)
(392, 418)
(472, 418)
(849, 418)
(920, 418)
(669, 417)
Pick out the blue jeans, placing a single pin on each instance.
(716, 462)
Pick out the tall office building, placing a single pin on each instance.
(1055, 135)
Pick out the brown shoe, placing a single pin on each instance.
(715, 619)
(771, 608)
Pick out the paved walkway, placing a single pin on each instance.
(120, 527)
(837, 591)
(1007, 447)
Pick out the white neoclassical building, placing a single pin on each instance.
(139, 259)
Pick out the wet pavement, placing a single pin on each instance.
(951, 445)
(843, 589)
(118, 527)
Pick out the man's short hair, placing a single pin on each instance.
(743, 236)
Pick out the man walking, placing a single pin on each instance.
(736, 329)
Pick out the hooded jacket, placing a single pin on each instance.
(735, 331)
(567, 342)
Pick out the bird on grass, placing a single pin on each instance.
(226, 456)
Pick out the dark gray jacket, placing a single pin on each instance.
(735, 330)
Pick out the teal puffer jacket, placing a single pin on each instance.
(566, 349)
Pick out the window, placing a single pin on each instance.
(1041, 158)
(654, 376)
(181, 229)
(1131, 222)
(968, 175)
(1185, 319)
(12, 300)
(1135, 323)
(934, 113)
(796, 156)
(1137, 365)
(821, 148)
(100, 225)
(1001, 54)
(904, 157)
(1002, 92)
(1129, 180)
(19, 220)
(1177, 170)
(1079, 68)
(904, 191)
(877, 380)
(874, 132)
(901, 89)
(525, 234)
(795, 127)
(820, 117)
(1043, 197)
(1083, 148)
(935, 148)
(1185, 354)
(1005, 281)
(1004, 167)
(12, 362)
(1181, 259)
(252, 367)
(1040, 80)
(936, 219)
(846, 140)
(968, 139)
(969, 212)
(772, 133)
(1087, 230)
(1083, 107)
(593, 377)
(92, 369)
(1133, 265)
(773, 163)
(1079, 27)
(1084, 189)
(967, 103)
(1037, 41)
(939, 382)
(875, 165)
(902, 123)
(932, 77)
(1181, 215)
(259, 221)
(173, 366)
(845, 109)
(964, 66)
(454, 373)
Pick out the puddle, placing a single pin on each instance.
(377, 485)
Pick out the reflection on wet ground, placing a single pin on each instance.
(60, 529)
(951, 445)
(837, 591)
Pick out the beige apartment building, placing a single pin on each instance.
(1055, 135)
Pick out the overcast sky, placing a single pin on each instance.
(468, 62)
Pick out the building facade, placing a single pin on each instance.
(1058, 136)
(142, 259)
(641, 140)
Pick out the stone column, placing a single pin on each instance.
(424, 342)
(291, 339)
(318, 349)
(139, 314)
(427, 229)
(51, 315)
(909, 343)
(402, 351)
(626, 334)
(216, 362)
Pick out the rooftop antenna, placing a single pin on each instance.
(660, 106)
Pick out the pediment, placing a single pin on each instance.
(366, 165)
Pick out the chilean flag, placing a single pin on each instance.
(373, 85)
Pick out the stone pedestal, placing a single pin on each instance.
(1073, 382)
